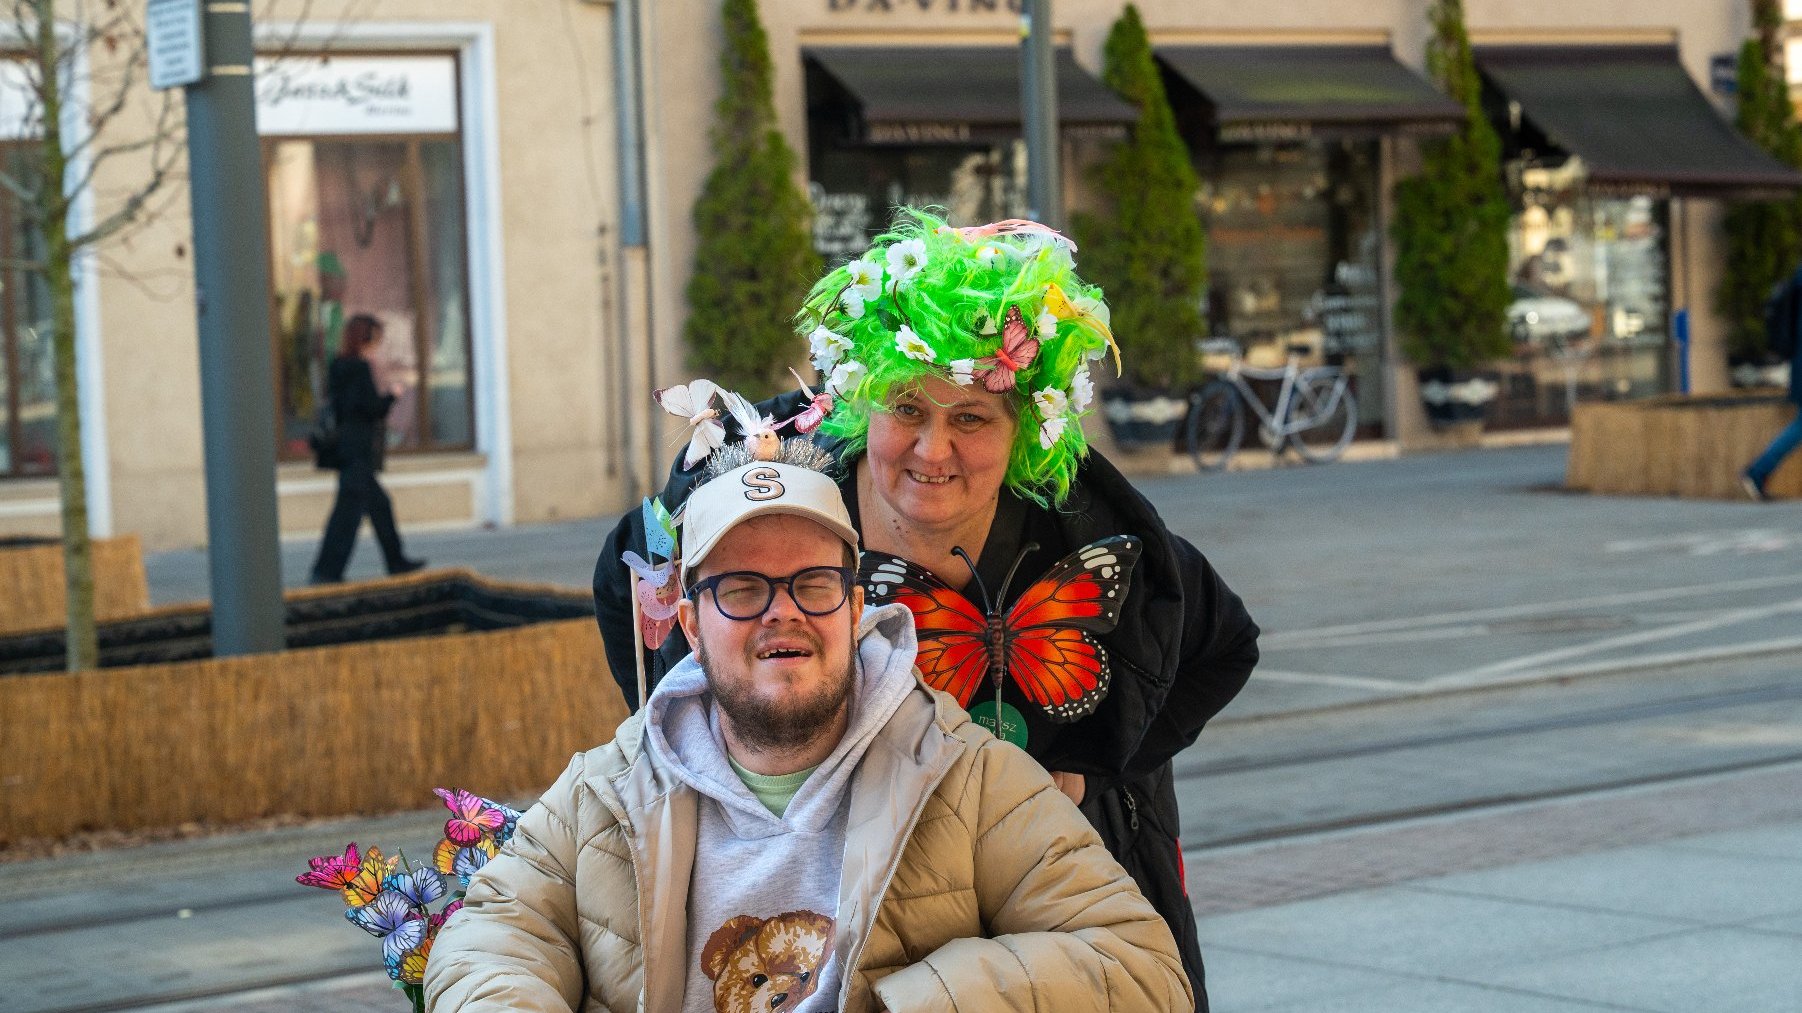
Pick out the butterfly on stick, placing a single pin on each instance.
(1046, 643)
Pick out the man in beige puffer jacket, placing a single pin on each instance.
(966, 880)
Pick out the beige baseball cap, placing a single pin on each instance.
(755, 490)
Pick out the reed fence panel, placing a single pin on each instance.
(352, 729)
(1679, 446)
(31, 584)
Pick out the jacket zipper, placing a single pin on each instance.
(1132, 809)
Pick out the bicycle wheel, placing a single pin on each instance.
(1325, 414)
(1215, 425)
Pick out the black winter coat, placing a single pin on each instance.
(1184, 647)
(359, 410)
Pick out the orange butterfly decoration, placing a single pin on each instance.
(1045, 643)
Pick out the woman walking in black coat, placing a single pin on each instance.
(360, 411)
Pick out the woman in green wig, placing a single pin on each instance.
(1050, 598)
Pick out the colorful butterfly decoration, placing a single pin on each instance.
(1045, 642)
(693, 403)
(391, 899)
(999, 372)
(1013, 227)
(658, 595)
(818, 407)
(655, 588)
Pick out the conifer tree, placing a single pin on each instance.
(1764, 238)
(1451, 223)
(755, 260)
(1146, 248)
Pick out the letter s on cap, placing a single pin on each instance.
(763, 484)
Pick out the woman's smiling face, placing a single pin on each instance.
(938, 452)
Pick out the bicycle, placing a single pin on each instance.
(1315, 410)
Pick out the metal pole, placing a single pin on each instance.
(1038, 104)
(237, 388)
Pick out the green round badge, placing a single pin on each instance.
(1012, 726)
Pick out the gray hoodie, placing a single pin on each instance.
(763, 919)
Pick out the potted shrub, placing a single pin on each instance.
(1451, 238)
(1145, 249)
(1764, 238)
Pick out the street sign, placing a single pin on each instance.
(177, 52)
(1723, 73)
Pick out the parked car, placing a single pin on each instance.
(1539, 318)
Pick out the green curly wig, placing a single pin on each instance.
(954, 301)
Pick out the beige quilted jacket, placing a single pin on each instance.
(972, 883)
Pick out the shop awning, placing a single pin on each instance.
(957, 94)
(1635, 118)
(1255, 93)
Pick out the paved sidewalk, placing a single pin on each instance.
(1605, 903)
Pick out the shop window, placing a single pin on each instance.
(27, 358)
(1293, 256)
(1590, 305)
(855, 189)
(369, 218)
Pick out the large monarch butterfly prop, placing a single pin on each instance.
(1045, 643)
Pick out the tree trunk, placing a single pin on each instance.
(83, 646)
(78, 571)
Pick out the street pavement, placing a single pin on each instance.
(1373, 579)
(1509, 749)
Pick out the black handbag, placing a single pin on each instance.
(324, 439)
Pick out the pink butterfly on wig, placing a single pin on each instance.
(1018, 349)
(1012, 226)
(818, 407)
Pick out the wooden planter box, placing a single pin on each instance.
(323, 731)
(31, 583)
(1679, 446)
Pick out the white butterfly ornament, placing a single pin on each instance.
(693, 403)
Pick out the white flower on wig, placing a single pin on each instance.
(1052, 403)
(828, 346)
(845, 378)
(1050, 431)
(913, 346)
(905, 260)
(866, 278)
(1047, 325)
(1082, 390)
(852, 301)
(963, 371)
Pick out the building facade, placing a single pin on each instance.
(466, 177)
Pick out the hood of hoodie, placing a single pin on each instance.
(682, 729)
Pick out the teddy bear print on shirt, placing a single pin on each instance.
(770, 965)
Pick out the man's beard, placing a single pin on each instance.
(783, 725)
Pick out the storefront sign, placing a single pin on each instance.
(173, 43)
(1254, 133)
(300, 96)
(948, 6)
(919, 133)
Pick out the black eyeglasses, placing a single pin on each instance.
(746, 594)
